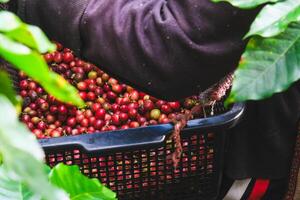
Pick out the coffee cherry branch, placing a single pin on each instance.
(207, 98)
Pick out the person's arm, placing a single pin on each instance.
(168, 48)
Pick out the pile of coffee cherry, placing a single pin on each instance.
(110, 104)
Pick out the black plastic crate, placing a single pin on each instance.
(136, 163)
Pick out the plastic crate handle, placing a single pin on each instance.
(107, 141)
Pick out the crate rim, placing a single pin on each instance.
(146, 137)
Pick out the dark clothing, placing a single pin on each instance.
(170, 49)
(173, 49)
(262, 144)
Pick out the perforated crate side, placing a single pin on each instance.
(149, 173)
(146, 171)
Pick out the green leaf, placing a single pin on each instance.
(274, 19)
(7, 89)
(77, 185)
(4, 1)
(13, 190)
(9, 128)
(269, 65)
(34, 66)
(9, 21)
(27, 194)
(22, 155)
(43, 44)
(1, 159)
(16, 190)
(28, 35)
(32, 37)
(61, 89)
(9, 189)
(24, 58)
(247, 4)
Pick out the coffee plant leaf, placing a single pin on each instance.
(268, 66)
(247, 4)
(22, 156)
(273, 19)
(33, 64)
(31, 36)
(79, 187)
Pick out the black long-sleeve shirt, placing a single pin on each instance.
(173, 49)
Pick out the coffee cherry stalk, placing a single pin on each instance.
(207, 98)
